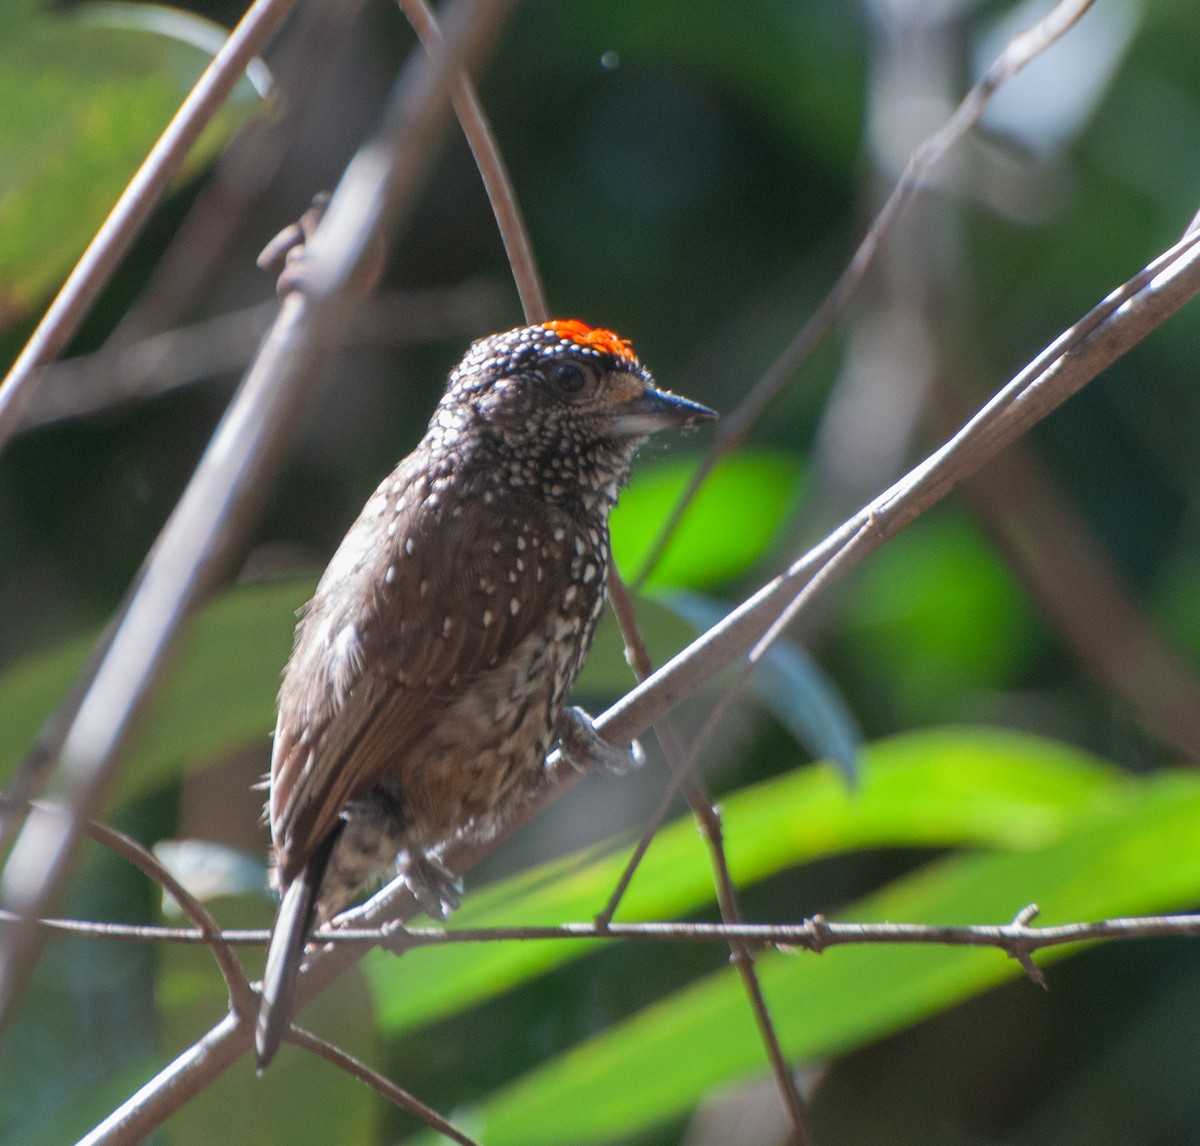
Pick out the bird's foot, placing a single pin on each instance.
(434, 886)
(585, 749)
(288, 253)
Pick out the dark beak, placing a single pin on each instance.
(657, 410)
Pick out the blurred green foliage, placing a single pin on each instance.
(694, 175)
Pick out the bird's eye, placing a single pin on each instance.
(568, 378)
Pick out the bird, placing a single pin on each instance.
(430, 671)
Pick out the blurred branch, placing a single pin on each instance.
(396, 1095)
(159, 363)
(242, 173)
(133, 208)
(733, 427)
(232, 479)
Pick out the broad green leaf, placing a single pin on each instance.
(930, 789)
(220, 695)
(85, 94)
(1138, 854)
(726, 529)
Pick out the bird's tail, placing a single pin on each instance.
(288, 937)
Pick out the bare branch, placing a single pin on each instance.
(492, 169)
(135, 204)
(815, 934)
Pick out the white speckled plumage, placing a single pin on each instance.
(431, 667)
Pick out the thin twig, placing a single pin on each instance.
(708, 818)
(393, 1093)
(733, 427)
(815, 934)
(133, 208)
(492, 169)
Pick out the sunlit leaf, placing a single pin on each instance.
(727, 528)
(933, 789)
(85, 94)
(1141, 854)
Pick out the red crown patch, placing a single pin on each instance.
(592, 337)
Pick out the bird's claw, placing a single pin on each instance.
(433, 885)
(586, 750)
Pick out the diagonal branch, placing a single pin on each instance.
(396, 1095)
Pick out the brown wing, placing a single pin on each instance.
(397, 626)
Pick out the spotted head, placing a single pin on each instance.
(560, 405)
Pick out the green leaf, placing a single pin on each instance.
(1141, 854)
(929, 789)
(726, 529)
(85, 95)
